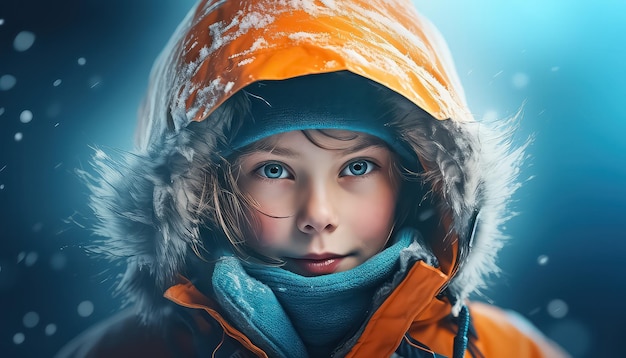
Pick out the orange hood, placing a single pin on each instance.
(222, 46)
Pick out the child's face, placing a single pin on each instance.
(323, 207)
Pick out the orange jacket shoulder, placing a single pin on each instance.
(507, 334)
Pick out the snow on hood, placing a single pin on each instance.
(222, 46)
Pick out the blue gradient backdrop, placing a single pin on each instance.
(560, 62)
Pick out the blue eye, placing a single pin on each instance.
(357, 168)
(273, 171)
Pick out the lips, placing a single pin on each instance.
(316, 265)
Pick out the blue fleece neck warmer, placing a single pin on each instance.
(290, 315)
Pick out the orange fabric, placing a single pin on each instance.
(225, 45)
(413, 300)
(498, 336)
(187, 295)
(240, 42)
(412, 308)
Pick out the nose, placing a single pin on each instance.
(317, 213)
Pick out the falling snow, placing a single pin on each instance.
(26, 116)
(7, 82)
(542, 260)
(23, 41)
(18, 136)
(19, 338)
(50, 329)
(30, 319)
(557, 308)
(31, 259)
(81, 61)
(57, 83)
(94, 81)
(85, 309)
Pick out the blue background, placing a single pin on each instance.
(561, 62)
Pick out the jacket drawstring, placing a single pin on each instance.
(460, 340)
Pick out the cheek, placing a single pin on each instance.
(373, 216)
(270, 232)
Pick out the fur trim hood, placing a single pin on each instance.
(150, 205)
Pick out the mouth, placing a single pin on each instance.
(316, 265)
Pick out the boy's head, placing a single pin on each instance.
(317, 164)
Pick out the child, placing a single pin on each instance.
(308, 183)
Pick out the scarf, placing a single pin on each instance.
(290, 315)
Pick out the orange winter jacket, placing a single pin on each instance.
(411, 316)
(411, 322)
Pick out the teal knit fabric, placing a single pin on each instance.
(293, 314)
(253, 308)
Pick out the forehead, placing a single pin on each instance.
(332, 139)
